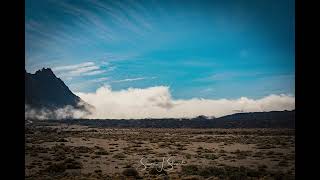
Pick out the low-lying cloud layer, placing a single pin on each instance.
(156, 102)
(61, 113)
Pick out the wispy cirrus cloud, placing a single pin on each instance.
(88, 18)
(100, 79)
(98, 20)
(109, 57)
(73, 67)
(103, 81)
(132, 79)
(223, 76)
(82, 69)
(130, 16)
(116, 10)
(95, 72)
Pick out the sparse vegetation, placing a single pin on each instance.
(78, 152)
(119, 156)
(130, 172)
(61, 167)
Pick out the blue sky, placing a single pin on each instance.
(204, 49)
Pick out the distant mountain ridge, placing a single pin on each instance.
(44, 90)
(273, 119)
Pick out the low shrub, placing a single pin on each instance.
(130, 172)
(119, 156)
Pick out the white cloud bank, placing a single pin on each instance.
(61, 113)
(156, 102)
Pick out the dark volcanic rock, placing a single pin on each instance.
(44, 90)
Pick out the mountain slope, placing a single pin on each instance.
(44, 90)
(274, 119)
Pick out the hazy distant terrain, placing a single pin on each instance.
(275, 119)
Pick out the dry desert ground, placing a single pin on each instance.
(80, 152)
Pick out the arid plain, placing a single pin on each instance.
(61, 151)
